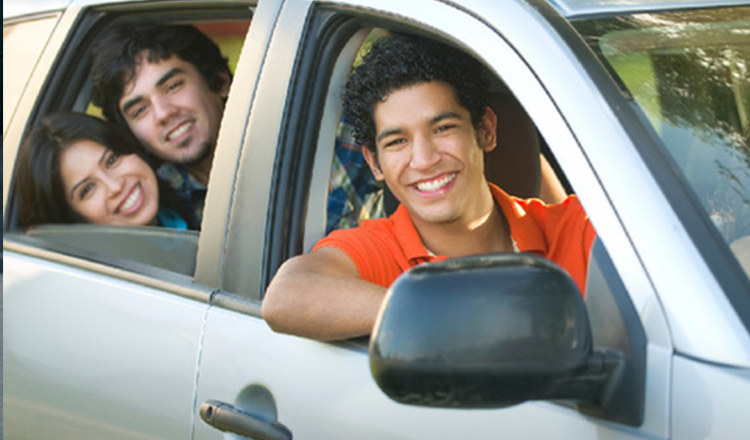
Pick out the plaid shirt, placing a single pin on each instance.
(186, 186)
(353, 193)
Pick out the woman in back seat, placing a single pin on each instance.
(77, 168)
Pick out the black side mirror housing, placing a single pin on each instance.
(487, 331)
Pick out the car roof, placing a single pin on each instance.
(568, 8)
(20, 8)
(578, 8)
(16, 8)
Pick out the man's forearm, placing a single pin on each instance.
(321, 301)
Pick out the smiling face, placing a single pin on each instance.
(171, 109)
(431, 156)
(106, 188)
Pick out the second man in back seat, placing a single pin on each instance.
(168, 84)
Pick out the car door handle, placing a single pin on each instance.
(227, 418)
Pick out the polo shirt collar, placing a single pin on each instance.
(524, 229)
(407, 236)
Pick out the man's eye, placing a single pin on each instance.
(137, 111)
(174, 85)
(444, 127)
(394, 142)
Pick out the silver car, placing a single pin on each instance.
(641, 107)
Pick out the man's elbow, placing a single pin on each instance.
(275, 311)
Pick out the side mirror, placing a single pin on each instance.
(486, 332)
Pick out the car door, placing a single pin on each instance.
(102, 324)
(311, 389)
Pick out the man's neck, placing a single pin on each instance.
(486, 235)
(202, 170)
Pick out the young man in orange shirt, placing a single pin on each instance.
(420, 109)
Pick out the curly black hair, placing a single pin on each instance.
(397, 61)
(118, 49)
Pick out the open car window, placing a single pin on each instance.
(355, 196)
(155, 251)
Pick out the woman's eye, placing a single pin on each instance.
(112, 159)
(85, 190)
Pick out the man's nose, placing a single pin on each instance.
(163, 109)
(424, 152)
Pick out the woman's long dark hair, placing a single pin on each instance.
(38, 181)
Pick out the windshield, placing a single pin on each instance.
(688, 73)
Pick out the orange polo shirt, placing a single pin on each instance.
(385, 248)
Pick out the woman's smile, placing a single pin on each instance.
(107, 188)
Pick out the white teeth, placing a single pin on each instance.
(179, 130)
(436, 184)
(132, 198)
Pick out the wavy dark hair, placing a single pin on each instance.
(397, 61)
(39, 183)
(117, 51)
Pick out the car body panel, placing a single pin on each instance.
(245, 237)
(709, 400)
(231, 147)
(332, 394)
(93, 357)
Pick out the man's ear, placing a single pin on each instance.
(372, 161)
(226, 82)
(488, 130)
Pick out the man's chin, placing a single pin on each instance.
(195, 158)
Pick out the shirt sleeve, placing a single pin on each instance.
(569, 235)
(370, 251)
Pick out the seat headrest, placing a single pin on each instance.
(514, 164)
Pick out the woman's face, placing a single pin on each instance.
(106, 188)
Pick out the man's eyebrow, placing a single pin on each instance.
(386, 133)
(82, 181)
(433, 120)
(164, 78)
(167, 76)
(445, 115)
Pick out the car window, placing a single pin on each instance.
(150, 250)
(23, 43)
(688, 74)
(355, 196)
(341, 191)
